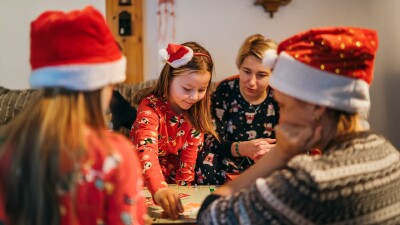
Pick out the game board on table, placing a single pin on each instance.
(191, 197)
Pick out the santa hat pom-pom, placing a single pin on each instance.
(163, 55)
(269, 58)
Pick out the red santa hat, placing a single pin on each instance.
(176, 55)
(74, 50)
(331, 67)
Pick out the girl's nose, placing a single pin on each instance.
(194, 96)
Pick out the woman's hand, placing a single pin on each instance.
(169, 200)
(255, 149)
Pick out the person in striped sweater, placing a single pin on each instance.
(351, 175)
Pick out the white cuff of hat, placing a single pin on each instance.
(82, 77)
(312, 85)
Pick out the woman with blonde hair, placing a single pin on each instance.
(244, 114)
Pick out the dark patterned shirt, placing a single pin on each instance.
(236, 120)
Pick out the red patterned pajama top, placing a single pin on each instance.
(109, 187)
(166, 142)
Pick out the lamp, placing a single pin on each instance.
(124, 2)
(271, 6)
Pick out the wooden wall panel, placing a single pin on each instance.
(132, 45)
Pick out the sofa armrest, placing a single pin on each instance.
(128, 91)
(13, 101)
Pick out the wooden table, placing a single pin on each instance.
(191, 197)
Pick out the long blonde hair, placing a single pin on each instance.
(199, 63)
(41, 151)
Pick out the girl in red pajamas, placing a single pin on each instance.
(59, 165)
(171, 119)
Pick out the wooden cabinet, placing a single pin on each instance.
(125, 18)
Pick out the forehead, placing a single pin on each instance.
(194, 79)
(252, 62)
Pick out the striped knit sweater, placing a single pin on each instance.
(356, 182)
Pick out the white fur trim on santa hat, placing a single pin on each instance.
(83, 77)
(163, 55)
(320, 87)
(177, 62)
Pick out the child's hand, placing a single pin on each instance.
(169, 200)
(147, 219)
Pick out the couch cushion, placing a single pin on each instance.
(12, 102)
(129, 90)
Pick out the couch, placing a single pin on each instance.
(13, 101)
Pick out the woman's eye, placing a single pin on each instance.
(186, 89)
